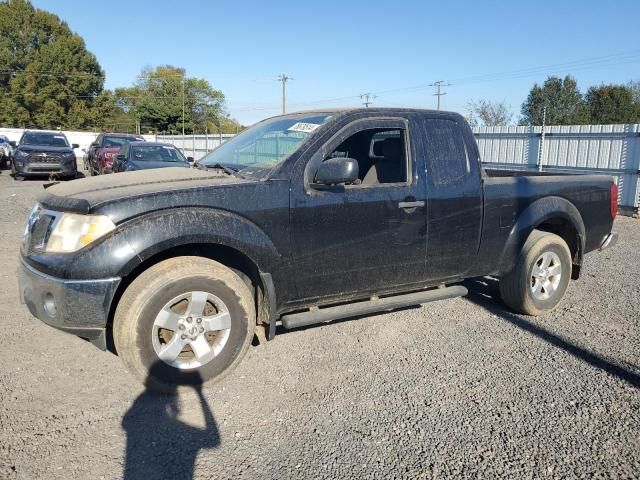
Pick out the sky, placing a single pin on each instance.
(337, 50)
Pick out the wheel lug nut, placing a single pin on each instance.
(189, 319)
(199, 320)
(181, 327)
(183, 337)
(201, 329)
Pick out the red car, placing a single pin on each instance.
(103, 151)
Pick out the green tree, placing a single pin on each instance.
(564, 102)
(159, 96)
(48, 76)
(611, 104)
(490, 114)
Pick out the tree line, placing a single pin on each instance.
(558, 101)
(49, 80)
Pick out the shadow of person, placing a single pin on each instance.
(159, 445)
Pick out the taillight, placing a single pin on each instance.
(613, 198)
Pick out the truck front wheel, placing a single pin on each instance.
(540, 277)
(184, 321)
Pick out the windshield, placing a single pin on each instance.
(157, 153)
(45, 139)
(259, 149)
(116, 142)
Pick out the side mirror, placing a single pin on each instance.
(190, 160)
(337, 170)
(12, 143)
(75, 145)
(120, 157)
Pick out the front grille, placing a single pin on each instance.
(38, 229)
(46, 157)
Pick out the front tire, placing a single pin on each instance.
(184, 321)
(539, 280)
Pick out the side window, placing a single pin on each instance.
(447, 157)
(380, 153)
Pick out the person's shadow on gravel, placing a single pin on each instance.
(159, 445)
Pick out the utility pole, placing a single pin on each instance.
(183, 79)
(367, 99)
(284, 78)
(541, 147)
(439, 85)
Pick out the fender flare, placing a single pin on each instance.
(538, 212)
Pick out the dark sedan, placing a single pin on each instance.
(44, 153)
(145, 155)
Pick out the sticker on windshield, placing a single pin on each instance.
(303, 127)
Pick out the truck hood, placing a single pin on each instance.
(87, 193)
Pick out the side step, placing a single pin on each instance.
(328, 314)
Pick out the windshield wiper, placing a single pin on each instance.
(225, 169)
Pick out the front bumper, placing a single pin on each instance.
(80, 307)
(33, 169)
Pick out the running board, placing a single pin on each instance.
(328, 314)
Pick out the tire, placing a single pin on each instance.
(139, 339)
(533, 287)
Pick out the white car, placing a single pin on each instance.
(5, 151)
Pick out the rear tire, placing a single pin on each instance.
(538, 281)
(214, 292)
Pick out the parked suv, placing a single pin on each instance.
(103, 151)
(44, 153)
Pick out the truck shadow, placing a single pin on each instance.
(159, 445)
(484, 293)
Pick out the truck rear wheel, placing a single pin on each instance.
(184, 321)
(539, 279)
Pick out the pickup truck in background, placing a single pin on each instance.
(301, 219)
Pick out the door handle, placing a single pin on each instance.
(418, 203)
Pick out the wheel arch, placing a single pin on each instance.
(238, 261)
(555, 215)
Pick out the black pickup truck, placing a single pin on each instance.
(301, 219)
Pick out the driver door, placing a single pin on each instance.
(367, 237)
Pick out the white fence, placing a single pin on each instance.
(607, 149)
(195, 146)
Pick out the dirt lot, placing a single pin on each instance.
(459, 388)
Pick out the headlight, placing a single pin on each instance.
(73, 231)
(20, 155)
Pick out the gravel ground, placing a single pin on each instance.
(459, 388)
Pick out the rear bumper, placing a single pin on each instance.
(609, 241)
(80, 307)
